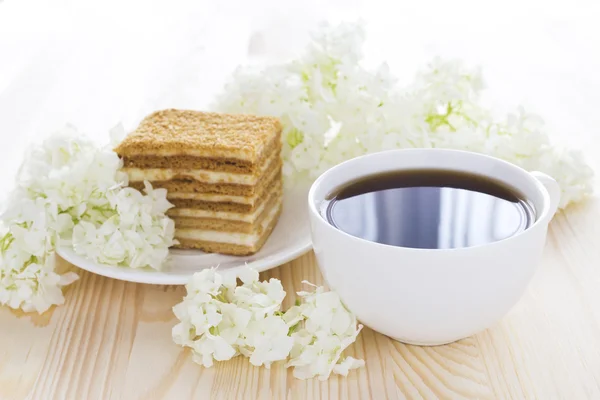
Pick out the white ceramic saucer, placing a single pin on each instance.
(290, 239)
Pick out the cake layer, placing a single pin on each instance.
(222, 225)
(150, 161)
(213, 206)
(201, 134)
(243, 239)
(223, 198)
(230, 248)
(250, 217)
(201, 175)
(228, 205)
(191, 186)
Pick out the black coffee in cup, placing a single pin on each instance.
(429, 209)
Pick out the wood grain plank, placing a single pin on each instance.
(548, 346)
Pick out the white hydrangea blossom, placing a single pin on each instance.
(220, 320)
(261, 298)
(28, 280)
(268, 340)
(70, 171)
(137, 234)
(323, 329)
(333, 109)
(68, 190)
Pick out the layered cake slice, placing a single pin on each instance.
(222, 172)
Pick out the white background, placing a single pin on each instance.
(94, 64)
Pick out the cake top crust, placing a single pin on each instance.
(174, 132)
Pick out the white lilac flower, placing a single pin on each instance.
(210, 347)
(322, 329)
(347, 364)
(209, 282)
(262, 298)
(68, 190)
(268, 340)
(29, 282)
(210, 323)
(69, 170)
(219, 320)
(318, 355)
(333, 109)
(233, 324)
(137, 234)
(218, 315)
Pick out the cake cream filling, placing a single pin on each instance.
(200, 175)
(221, 198)
(224, 215)
(217, 198)
(208, 153)
(241, 239)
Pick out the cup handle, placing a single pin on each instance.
(553, 190)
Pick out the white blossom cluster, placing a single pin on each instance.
(332, 109)
(220, 320)
(68, 190)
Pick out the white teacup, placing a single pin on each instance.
(430, 296)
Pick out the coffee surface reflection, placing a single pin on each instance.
(429, 209)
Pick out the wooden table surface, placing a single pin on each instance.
(112, 339)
